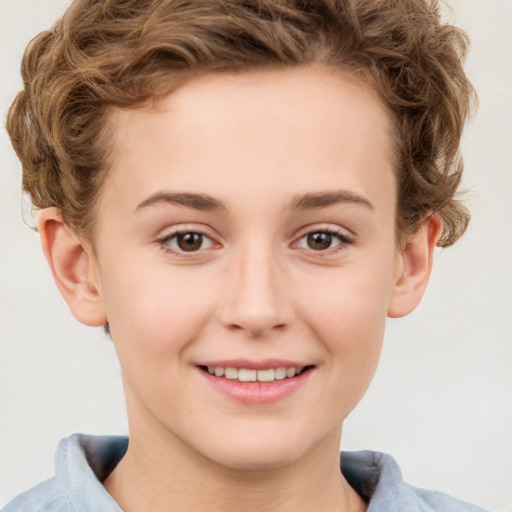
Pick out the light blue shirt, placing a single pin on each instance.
(82, 462)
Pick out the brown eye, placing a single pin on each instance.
(189, 241)
(323, 240)
(319, 241)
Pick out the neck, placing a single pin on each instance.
(161, 476)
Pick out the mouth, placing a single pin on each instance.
(262, 375)
(256, 382)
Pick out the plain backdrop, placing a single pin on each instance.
(441, 402)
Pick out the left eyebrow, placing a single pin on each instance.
(317, 200)
(201, 202)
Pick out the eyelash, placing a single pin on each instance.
(343, 239)
(164, 242)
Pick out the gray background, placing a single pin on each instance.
(441, 402)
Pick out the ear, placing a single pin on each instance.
(414, 267)
(74, 268)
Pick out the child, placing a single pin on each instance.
(241, 193)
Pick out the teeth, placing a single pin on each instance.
(231, 373)
(266, 375)
(290, 372)
(248, 375)
(280, 373)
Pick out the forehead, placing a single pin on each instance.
(281, 132)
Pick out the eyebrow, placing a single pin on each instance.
(201, 202)
(317, 200)
(204, 202)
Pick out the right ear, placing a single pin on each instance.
(74, 267)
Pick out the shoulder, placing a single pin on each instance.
(378, 479)
(45, 497)
(441, 502)
(81, 464)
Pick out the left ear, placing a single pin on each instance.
(415, 265)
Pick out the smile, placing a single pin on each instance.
(252, 375)
(256, 382)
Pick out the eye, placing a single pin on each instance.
(322, 240)
(189, 241)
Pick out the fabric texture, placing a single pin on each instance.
(82, 462)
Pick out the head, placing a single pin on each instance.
(124, 54)
(253, 184)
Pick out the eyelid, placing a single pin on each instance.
(325, 228)
(344, 235)
(181, 229)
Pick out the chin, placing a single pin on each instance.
(249, 461)
(250, 453)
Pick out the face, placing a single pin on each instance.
(246, 232)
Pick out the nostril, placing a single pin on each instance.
(256, 327)
(258, 303)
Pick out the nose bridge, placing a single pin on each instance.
(257, 300)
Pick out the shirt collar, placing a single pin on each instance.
(83, 462)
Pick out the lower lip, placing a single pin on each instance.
(257, 393)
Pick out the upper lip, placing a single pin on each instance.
(263, 364)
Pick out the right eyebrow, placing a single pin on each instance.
(201, 202)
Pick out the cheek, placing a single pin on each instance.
(152, 322)
(352, 304)
(153, 316)
(348, 312)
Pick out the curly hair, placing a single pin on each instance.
(123, 53)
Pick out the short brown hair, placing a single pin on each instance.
(122, 53)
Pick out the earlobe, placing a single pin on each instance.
(415, 263)
(73, 266)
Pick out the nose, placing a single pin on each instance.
(256, 299)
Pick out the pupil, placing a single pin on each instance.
(190, 241)
(319, 241)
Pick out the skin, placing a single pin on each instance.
(259, 144)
